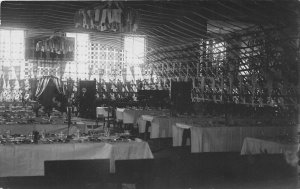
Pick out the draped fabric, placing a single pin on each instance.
(59, 86)
(2, 82)
(32, 86)
(161, 126)
(42, 86)
(50, 98)
(28, 160)
(43, 83)
(24, 129)
(50, 93)
(230, 139)
(289, 149)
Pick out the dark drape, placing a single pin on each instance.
(50, 93)
(43, 83)
(181, 96)
(87, 99)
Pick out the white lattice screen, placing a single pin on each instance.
(11, 63)
(105, 62)
(92, 60)
(12, 54)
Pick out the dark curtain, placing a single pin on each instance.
(50, 94)
(46, 98)
(43, 83)
(87, 100)
(181, 97)
(33, 82)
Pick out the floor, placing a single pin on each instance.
(221, 170)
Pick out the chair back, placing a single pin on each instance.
(77, 169)
(146, 172)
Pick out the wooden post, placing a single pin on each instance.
(298, 67)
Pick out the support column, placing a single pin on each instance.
(292, 54)
(298, 66)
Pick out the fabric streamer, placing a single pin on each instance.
(84, 20)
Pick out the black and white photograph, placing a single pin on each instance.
(150, 94)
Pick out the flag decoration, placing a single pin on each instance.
(107, 17)
(54, 47)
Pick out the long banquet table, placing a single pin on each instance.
(28, 159)
(224, 138)
(119, 114)
(25, 129)
(102, 111)
(130, 116)
(161, 126)
(270, 146)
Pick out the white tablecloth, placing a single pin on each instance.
(259, 146)
(102, 111)
(161, 126)
(147, 117)
(25, 129)
(119, 114)
(185, 123)
(130, 116)
(224, 139)
(28, 160)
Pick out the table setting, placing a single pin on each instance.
(24, 155)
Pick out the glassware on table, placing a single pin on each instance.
(30, 136)
(7, 133)
(61, 135)
(35, 136)
(126, 132)
(77, 134)
(107, 131)
(43, 134)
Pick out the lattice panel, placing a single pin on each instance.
(258, 68)
(39, 68)
(101, 62)
(105, 62)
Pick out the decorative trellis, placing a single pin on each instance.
(256, 68)
(105, 61)
(102, 61)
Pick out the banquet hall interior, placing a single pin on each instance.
(149, 94)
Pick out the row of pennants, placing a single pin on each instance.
(212, 89)
(215, 84)
(112, 86)
(107, 17)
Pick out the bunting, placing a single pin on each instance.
(107, 17)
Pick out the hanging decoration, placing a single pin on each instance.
(55, 47)
(248, 75)
(107, 17)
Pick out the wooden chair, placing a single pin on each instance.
(107, 118)
(110, 119)
(186, 135)
(93, 169)
(147, 133)
(94, 127)
(144, 173)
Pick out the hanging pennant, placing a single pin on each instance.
(108, 17)
(53, 47)
(213, 83)
(202, 83)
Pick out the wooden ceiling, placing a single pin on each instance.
(165, 23)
